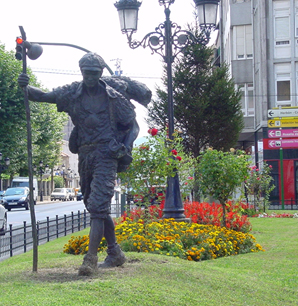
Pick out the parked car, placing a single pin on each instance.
(80, 196)
(3, 220)
(71, 193)
(61, 194)
(15, 198)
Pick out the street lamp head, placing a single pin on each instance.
(34, 168)
(7, 161)
(128, 15)
(34, 51)
(47, 167)
(207, 12)
(41, 163)
(166, 2)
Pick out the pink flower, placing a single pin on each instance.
(185, 183)
(270, 166)
(190, 178)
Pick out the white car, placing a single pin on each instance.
(61, 194)
(3, 220)
(71, 193)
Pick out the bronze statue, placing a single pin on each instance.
(103, 136)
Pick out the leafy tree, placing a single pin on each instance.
(259, 184)
(206, 105)
(220, 173)
(47, 123)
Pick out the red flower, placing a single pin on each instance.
(142, 162)
(153, 131)
(174, 152)
(179, 158)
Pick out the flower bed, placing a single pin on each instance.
(188, 241)
(201, 213)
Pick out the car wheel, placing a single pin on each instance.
(4, 228)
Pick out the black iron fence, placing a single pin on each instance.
(291, 204)
(19, 239)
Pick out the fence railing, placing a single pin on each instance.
(291, 204)
(18, 240)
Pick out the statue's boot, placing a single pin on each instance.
(115, 258)
(89, 265)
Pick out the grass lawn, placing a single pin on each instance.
(263, 278)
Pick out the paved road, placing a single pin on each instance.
(43, 210)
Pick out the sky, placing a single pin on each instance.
(93, 25)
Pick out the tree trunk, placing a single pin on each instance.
(223, 204)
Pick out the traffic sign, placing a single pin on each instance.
(286, 133)
(281, 143)
(290, 112)
(277, 123)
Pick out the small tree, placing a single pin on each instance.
(220, 173)
(155, 160)
(207, 108)
(259, 184)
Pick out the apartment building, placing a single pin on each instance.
(259, 41)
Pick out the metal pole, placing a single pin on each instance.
(173, 203)
(41, 186)
(30, 170)
(281, 159)
(73, 46)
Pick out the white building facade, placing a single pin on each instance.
(259, 42)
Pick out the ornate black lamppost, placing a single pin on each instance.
(65, 174)
(168, 40)
(41, 171)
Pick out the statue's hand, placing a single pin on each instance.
(23, 80)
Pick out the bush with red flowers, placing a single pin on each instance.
(259, 185)
(205, 213)
(153, 162)
(201, 213)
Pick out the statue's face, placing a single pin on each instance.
(91, 77)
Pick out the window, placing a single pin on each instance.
(283, 84)
(281, 24)
(247, 102)
(283, 90)
(243, 42)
